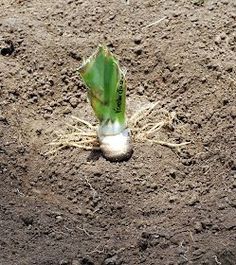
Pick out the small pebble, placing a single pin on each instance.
(176, 13)
(217, 39)
(233, 15)
(198, 2)
(66, 110)
(194, 19)
(233, 112)
(75, 55)
(3, 118)
(87, 261)
(74, 102)
(138, 39)
(225, 2)
(172, 173)
(111, 261)
(138, 51)
(59, 218)
(221, 206)
(74, 200)
(220, 37)
(60, 184)
(193, 200)
(28, 220)
(140, 90)
(173, 198)
(78, 211)
(153, 186)
(198, 227)
(64, 262)
(207, 222)
(234, 184)
(198, 252)
(47, 116)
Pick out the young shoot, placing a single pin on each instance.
(106, 88)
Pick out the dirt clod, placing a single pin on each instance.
(7, 48)
(111, 261)
(86, 261)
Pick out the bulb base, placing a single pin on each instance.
(116, 147)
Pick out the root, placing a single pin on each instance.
(82, 136)
(140, 114)
(144, 131)
(142, 124)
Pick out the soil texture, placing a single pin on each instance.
(163, 206)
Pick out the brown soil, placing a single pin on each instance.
(162, 206)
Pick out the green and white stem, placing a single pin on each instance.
(106, 87)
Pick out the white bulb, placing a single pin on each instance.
(116, 147)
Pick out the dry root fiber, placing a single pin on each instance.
(145, 126)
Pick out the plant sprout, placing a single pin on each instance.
(106, 89)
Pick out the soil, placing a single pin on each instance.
(163, 206)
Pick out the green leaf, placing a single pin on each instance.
(106, 89)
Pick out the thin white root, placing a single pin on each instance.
(88, 124)
(82, 136)
(140, 114)
(155, 22)
(144, 131)
(142, 125)
(156, 127)
(171, 145)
